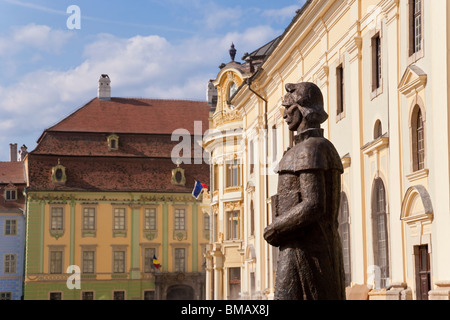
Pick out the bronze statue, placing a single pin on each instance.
(306, 207)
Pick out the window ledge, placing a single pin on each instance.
(119, 233)
(376, 92)
(88, 233)
(56, 233)
(417, 175)
(233, 189)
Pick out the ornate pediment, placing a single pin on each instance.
(414, 79)
(227, 117)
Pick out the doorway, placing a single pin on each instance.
(180, 292)
(422, 266)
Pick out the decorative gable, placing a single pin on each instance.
(414, 79)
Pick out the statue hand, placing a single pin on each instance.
(270, 235)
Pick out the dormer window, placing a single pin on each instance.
(232, 90)
(113, 142)
(59, 174)
(10, 193)
(178, 177)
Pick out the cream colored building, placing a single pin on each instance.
(383, 69)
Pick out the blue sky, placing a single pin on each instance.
(165, 49)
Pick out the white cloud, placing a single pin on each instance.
(141, 66)
(40, 37)
(32, 36)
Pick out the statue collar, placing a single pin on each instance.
(309, 133)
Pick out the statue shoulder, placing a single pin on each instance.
(312, 154)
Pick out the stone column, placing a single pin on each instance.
(218, 272)
(209, 270)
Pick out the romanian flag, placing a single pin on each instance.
(198, 187)
(156, 262)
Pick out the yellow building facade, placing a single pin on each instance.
(383, 69)
(110, 214)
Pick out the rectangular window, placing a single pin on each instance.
(119, 219)
(150, 219)
(11, 195)
(89, 219)
(233, 225)
(234, 281)
(376, 62)
(206, 222)
(119, 295)
(10, 227)
(5, 296)
(340, 89)
(56, 262)
(88, 261)
(55, 296)
(87, 295)
(291, 138)
(10, 265)
(233, 174)
(119, 262)
(216, 177)
(252, 156)
(180, 260)
(415, 26)
(180, 219)
(57, 219)
(149, 253)
(274, 144)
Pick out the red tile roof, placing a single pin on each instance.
(143, 160)
(12, 172)
(113, 174)
(129, 115)
(95, 144)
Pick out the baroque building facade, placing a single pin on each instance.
(383, 72)
(110, 210)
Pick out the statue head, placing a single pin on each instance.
(304, 106)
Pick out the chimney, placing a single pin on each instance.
(13, 152)
(104, 87)
(23, 152)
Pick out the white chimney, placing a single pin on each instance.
(104, 87)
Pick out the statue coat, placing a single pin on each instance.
(305, 224)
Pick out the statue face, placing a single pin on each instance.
(293, 117)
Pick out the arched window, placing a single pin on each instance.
(380, 231)
(420, 142)
(232, 89)
(344, 232)
(418, 138)
(377, 130)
